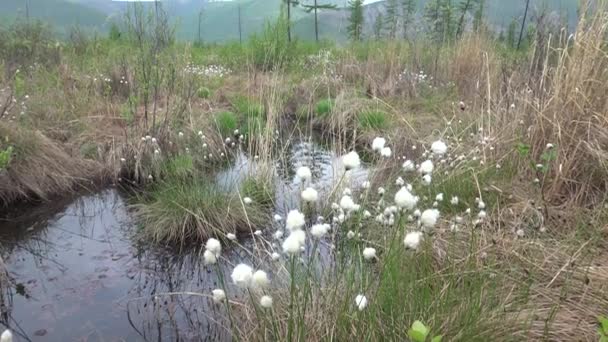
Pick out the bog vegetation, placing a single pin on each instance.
(484, 216)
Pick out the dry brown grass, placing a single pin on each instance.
(41, 167)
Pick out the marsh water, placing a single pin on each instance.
(78, 274)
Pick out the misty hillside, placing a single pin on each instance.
(220, 18)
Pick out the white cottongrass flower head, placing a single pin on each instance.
(241, 275)
(427, 179)
(351, 160)
(454, 200)
(295, 220)
(218, 295)
(405, 200)
(310, 195)
(361, 302)
(319, 230)
(369, 253)
(439, 197)
(439, 148)
(350, 234)
(247, 200)
(304, 173)
(412, 240)
(277, 218)
(209, 258)
(214, 246)
(231, 236)
(408, 166)
(266, 302)
(292, 244)
(347, 203)
(426, 167)
(429, 218)
(7, 336)
(275, 256)
(378, 144)
(386, 152)
(260, 280)
(399, 181)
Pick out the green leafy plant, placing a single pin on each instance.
(6, 156)
(324, 107)
(603, 329)
(203, 92)
(420, 332)
(373, 119)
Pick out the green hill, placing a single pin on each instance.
(61, 14)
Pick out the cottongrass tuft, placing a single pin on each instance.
(295, 220)
(231, 236)
(266, 302)
(427, 179)
(361, 302)
(319, 230)
(369, 253)
(386, 152)
(351, 160)
(291, 245)
(304, 173)
(439, 148)
(7, 336)
(218, 295)
(378, 144)
(408, 166)
(310, 195)
(209, 257)
(426, 167)
(429, 218)
(247, 200)
(260, 280)
(214, 246)
(350, 234)
(241, 275)
(412, 240)
(405, 200)
(454, 200)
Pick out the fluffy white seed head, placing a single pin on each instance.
(266, 302)
(429, 218)
(295, 220)
(409, 166)
(218, 295)
(439, 148)
(209, 257)
(347, 203)
(386, 152)
(427, 179)
(319, 230)
(351, 160)
(241, 275)
(361, 302)
(439, 197)
(405, 200)
(260, 279)
(426, 167)
(214, 246)
(277, 218)
(291, 245)
(378, 144)
(412, 240)
(399, 181)
(247, 200)
(369, 253)
(275, 256)
(304, 173)
(7, 336)
(231, 236)
(350, 234)
(454, 200)
(310, 195)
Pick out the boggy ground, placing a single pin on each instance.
(520, 255)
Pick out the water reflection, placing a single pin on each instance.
(76, 273)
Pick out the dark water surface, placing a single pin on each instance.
(77, 273)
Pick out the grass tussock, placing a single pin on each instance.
(40, 168)
(184, 211)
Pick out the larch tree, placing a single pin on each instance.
(355, 20)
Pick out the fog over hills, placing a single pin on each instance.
(220, 17)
